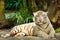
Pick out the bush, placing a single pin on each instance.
(57, 30)
(20, 17)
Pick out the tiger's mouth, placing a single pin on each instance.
(42, 22)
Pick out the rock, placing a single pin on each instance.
(25, 38)
(5, 24)
(57, 35)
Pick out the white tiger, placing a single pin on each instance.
(40, 27)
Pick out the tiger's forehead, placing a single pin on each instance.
(38, 13)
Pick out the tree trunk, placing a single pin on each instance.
(1, 10)
(34, 6)
(3, 21)
(52, 11)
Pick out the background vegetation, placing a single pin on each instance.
(26, 7)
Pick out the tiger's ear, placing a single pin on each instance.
(45, 13)
(34, 13)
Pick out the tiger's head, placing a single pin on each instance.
(40, 17)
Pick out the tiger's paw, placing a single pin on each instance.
(4, 35)
(19, 34)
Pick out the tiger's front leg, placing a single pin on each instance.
(52, 32)
(20, 34)
(42, 34)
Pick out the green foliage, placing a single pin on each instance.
(12, 4)
(20, 17)
(24, 14)
(57, 30)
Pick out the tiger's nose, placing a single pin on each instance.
(40, 20)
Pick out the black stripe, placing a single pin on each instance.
(47, 26)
